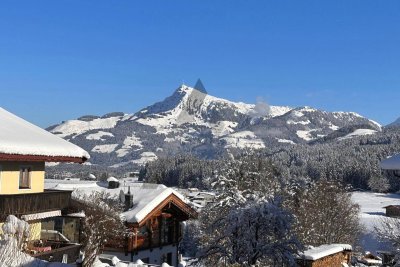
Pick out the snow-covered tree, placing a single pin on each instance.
(325, 214)
(256, 233)
(379, 183)
(247, 224)
(102, 223)
(389, 230)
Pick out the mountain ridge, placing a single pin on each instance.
(192, 121)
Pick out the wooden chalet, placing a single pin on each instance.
(156, 224)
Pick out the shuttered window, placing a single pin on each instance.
(25, 178)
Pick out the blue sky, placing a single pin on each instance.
(63, 59)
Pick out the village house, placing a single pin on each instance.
(391, 165)
(333, 255)
(24, 149)
(154, 215)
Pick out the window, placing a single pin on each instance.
(25, 178)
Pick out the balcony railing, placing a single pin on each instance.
(21, 204)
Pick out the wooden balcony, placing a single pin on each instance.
(21, 204)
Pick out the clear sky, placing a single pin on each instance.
(63, 59)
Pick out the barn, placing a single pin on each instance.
(333, 255)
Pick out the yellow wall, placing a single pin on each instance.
(9, 177)
(34, 227)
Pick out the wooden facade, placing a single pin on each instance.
(156, 237)
(392, 210)
(161, 226)
(36, 158)
(21, 204)
(334, 260)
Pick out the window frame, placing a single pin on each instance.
(29, 167)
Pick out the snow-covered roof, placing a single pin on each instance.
(317, 253)
(112, 179)
(146, 197)
(21, 138)
(391, 163)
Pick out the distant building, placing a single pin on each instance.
(391, 163)
(24, 149)
(200, 198)
(392, 210)
(333, 255)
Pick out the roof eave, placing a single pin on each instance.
(41, 158)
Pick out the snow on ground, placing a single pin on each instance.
(276, 111)
(243, 139)
(297, 113)
(104, 148)
(286, 141)
(358, 132)
(98, 135)
(145, 157)
(372, 212)
(77, 126)
(298, 122)
(129, 142)
(333, 127)
(305, 135)
(223, 128)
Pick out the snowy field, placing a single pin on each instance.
(372, 213)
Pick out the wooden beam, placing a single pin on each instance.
(16, 157)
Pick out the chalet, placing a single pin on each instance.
(154, 214)
(24, 149)
(333, 255)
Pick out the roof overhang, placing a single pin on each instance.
(41, 215)
(40, 158)
(170, 200)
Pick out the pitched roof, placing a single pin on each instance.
(317, 253)
(391, 163)
(22, 140)
(146, 197)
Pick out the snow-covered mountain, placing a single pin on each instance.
(396, 123)
(192, 121)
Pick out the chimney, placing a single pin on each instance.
(128, 199)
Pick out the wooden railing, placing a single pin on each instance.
(58, 251)
(21, 204)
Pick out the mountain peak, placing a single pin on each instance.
(200, 87)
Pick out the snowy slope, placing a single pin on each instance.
(192, 121)
(395, 123)
(371, 216)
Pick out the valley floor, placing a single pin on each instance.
(372, 213)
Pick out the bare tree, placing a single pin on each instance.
(102, 224)
(325, 214)
(388, 230)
